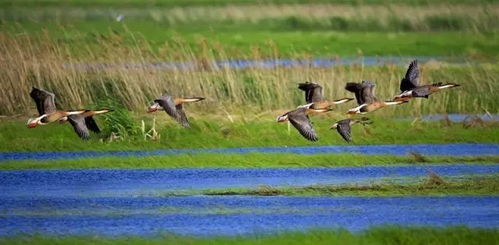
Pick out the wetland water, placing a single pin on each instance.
(425, 149)
(234, 215)
(130, 202)
(153, 182)
(263, 63)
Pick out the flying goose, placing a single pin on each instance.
(364, 93)
(344, 127)
(300, 120)
(313, 94)
(410, 87)
(45, 104)
(84, 122)
(173, 107)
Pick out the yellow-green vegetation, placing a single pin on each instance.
(431, 186)
(247, 129)
(377, 235)
(49, 45)
(251, 160)
(48, 63)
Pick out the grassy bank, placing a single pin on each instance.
(377, 235)
(245, 131)
(433, 185)
(252, 160)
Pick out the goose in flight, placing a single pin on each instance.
(411, 88)
(313, 94)
(344, 127)
(365, 95)
(45, 104)
(173, 107)
(84, 122)
(300, 120)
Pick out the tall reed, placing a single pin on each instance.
(130, 76)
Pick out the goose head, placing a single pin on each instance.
(282, 118)
(33, 122)
(154, 107)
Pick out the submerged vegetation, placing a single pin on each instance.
(376, 235)
(433, 185)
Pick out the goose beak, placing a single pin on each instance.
(352, 112)
(32, 124)
(151, 109)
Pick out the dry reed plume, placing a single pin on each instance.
(41, 61)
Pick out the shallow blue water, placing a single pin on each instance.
(426, 149)
(263, 63)
(154, 182)
(232, 215)
(460, 117)
(133, 202)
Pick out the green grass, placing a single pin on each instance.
(429, 187)
(265, 131)
(377, 235)
(252, 160)
(289, 41)
(171, 3)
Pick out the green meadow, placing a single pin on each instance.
(376, 235)
(251, 133)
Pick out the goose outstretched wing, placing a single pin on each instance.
(79, 126)
(302, 123)
(411, 79)
(313, 91)
(45, 101)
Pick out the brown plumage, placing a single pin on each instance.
(173, 107)
(84, 123)
(365, 95)
(410, 85)
(300, 120)
(313, 94)
(344, 127)
(45, 104)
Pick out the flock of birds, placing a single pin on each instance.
(366, 99)
(83, 121)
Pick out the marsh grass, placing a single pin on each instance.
(374, 235)
(44, 62)
(432, 185)
(119, 122)
(209, 131)
(253, 160)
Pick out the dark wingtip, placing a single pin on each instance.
(352, 87)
